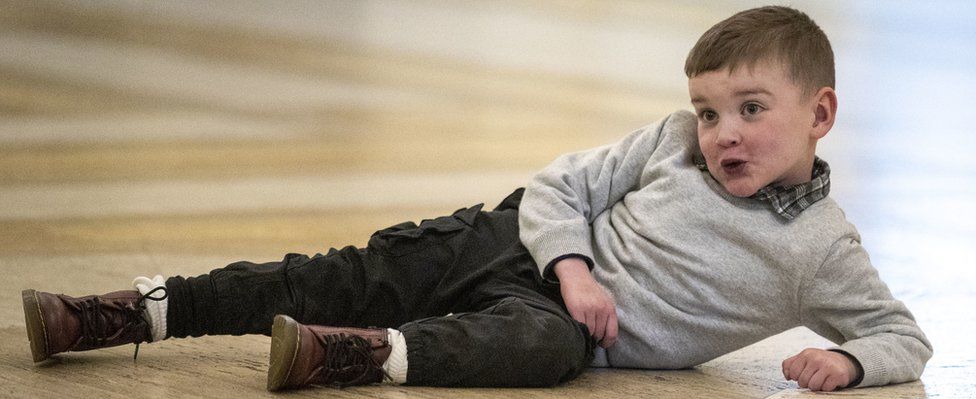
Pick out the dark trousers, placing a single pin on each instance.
(462, 289)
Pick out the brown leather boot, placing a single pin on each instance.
(304, 355)
(60, 323)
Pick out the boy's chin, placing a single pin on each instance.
(740, 189)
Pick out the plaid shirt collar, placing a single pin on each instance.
(788, 202)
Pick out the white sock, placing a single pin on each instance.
(155, 310)
(396, 364)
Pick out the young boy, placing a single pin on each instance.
(688, 239)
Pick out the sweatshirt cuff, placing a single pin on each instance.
(857, 365)
(549, 273)
(548, 247)
(873, 369)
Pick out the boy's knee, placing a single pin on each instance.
(548, 334)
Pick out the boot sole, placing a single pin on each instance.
(35, 325)
(285, 341)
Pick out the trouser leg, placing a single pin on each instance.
(507, 327)
(405, 273)
(521, 336)
(244, 297)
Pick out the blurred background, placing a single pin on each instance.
(143, 137)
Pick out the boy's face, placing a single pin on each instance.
(755, 126)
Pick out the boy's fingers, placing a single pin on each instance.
(832, 382)
(611, 336)
(796, 369)
(577, 316)
(601, 327)
(817, 381)
(805, 376)
(786, 367)
(591, 323)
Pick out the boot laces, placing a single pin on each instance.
(95, 326)
(342, 352)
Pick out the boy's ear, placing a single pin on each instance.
(824, 112)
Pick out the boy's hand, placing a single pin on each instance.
(587, 301)
(820, 370)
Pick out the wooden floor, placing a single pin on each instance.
(177, 136)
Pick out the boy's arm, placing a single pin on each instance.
(846, 302)
(565, 197)
(587, 301)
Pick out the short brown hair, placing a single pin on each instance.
(777, 33)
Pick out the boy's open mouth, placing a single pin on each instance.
(733, 166)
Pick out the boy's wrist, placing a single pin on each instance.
(858, 369)
(571, 270)
(549, 272)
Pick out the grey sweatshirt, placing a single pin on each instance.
(697, 273)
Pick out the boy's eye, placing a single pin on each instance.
(751, 109)
(709, 116)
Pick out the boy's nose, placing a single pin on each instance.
(728, 136)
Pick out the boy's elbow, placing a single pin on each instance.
(919, 350)
(923, 352)
(927, 352)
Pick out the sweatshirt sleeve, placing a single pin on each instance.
(565, 197)
(846, 302)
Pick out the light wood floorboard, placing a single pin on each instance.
(177, 136)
